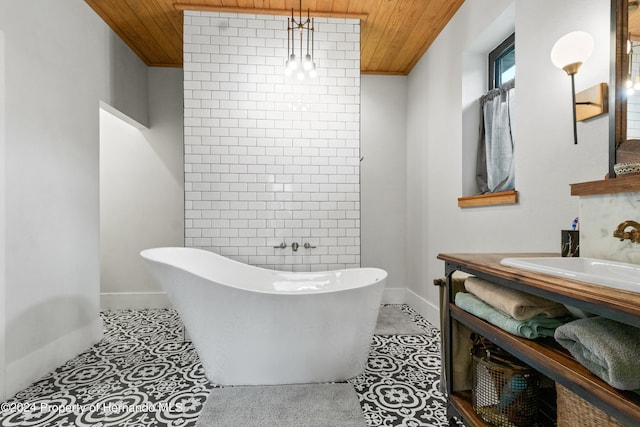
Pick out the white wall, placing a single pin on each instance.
(546, 159)
(3, 248)
(141, 194)
(60, 62)
(133, 162)
(259, 170)
(383, 178)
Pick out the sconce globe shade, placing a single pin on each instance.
(573, 48)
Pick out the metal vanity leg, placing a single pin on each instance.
(447, 337)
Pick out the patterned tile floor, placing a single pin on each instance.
(142, 374)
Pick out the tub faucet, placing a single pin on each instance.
(295, 246)
(280, 246)
(633, 235)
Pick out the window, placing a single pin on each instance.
(502, 62)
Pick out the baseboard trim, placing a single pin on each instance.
(35, 365)
(394, 296)
(133, 300)
(424, 308)
(140, 300)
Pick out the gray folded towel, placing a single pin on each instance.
(607, 348)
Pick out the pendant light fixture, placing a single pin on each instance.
(304, 64)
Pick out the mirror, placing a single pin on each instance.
(624, 125)
(619, 72)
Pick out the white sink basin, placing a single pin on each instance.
(618, 275)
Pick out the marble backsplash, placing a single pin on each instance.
(599, 217)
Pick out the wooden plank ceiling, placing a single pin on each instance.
(394, 33)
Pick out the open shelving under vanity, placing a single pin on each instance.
(544, 355)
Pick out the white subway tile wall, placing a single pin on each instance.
(269, 159)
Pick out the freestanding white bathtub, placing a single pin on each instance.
(253, 326)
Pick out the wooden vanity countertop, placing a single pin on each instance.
(568, 290)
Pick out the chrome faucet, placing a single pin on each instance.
(280, 246)
(295, 246)
(633, 235)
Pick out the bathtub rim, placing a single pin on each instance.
(377, 273)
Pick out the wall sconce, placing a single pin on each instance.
(568, 54)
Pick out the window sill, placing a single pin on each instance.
(489, 199)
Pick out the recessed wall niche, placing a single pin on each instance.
(269, 159)
(474, 85)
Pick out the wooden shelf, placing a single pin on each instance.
(489, 199)
(621, 184)
(623, 306)
(544, 355)
(555, 363)
(461, 400)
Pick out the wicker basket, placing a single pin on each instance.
(504, 392)
(574, 411)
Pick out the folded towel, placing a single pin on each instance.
(539, 326)
(517, 304)
(462, 342)
(607, 348)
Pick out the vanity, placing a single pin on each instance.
(543, 355)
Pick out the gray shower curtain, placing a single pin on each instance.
(495, 163)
